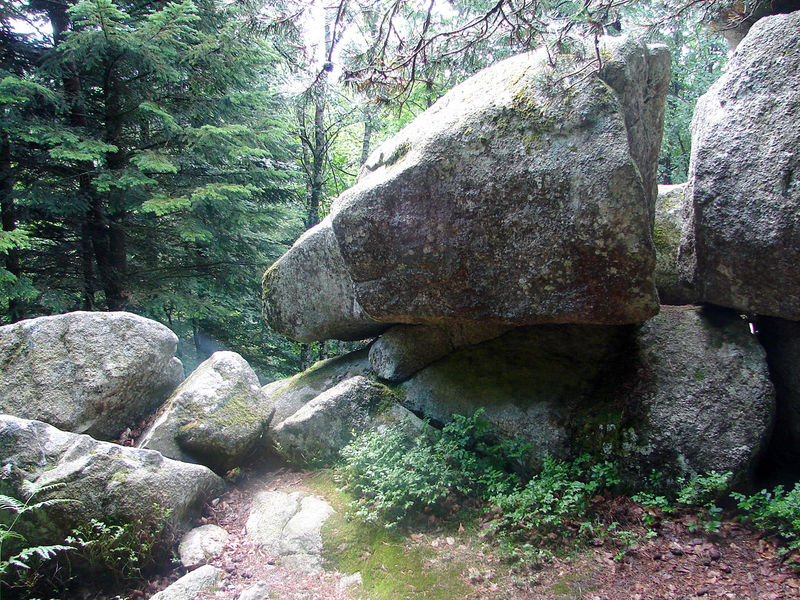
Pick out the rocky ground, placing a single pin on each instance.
(441, 561)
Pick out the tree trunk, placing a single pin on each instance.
(365, 141)
(9, 220)
(105, 238)
(87, 268)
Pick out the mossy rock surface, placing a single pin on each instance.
(315, 434)
(104, 481)
(290, 394)
(215, 417)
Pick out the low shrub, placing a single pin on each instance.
(396, 476)
(776, 512)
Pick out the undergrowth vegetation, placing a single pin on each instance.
(400, 480)
(123, 553)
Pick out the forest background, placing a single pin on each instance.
(157, 157)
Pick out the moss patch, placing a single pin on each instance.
(391, 564)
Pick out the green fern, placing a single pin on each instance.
(18, 508)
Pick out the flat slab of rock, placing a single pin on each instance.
(288, 524)
(201, 544)
(215, 417)
(109, 482)
(87, 372)
(257, 591)
(316, 433)
(192, 585)
(741, 242)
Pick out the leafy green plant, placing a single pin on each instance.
(776, 511)
(126, 551)
(396, 476)
(553, 507)
(698, 494)
(23, 558)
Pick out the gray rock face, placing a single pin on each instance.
(315, 433)
(741, 243)
(781, 340)
(109, 482)
(192, 585)
(201, 544)
(87, 372)
(703, 390)
(523, 196)
(289, 395)
(308, 294)
(515, 199)
(288, 524)
(529, 382)
(685, 392)
(405, 349)
(215, 417)
(667, 237)
(257, 591)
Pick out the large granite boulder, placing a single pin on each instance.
(316, 433)
(517, 198)
(524, 195)
(701, 398)
(291, 394)
(104, 481)
(215, 417)
(87, 372)
(741, 242)
(308, 294)
(685, 392)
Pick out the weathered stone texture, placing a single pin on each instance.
(87, 372)
(215, 417)
(741, 241)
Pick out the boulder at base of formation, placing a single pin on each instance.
(215, 417)
(104, 481)
(686, 392)
(316, 433)
(291, 394)
(741, 242)
(87, 372)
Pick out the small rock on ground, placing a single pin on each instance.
(191, 585)
(201, 544)
(288, 524)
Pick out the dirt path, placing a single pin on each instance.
(675, 564)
